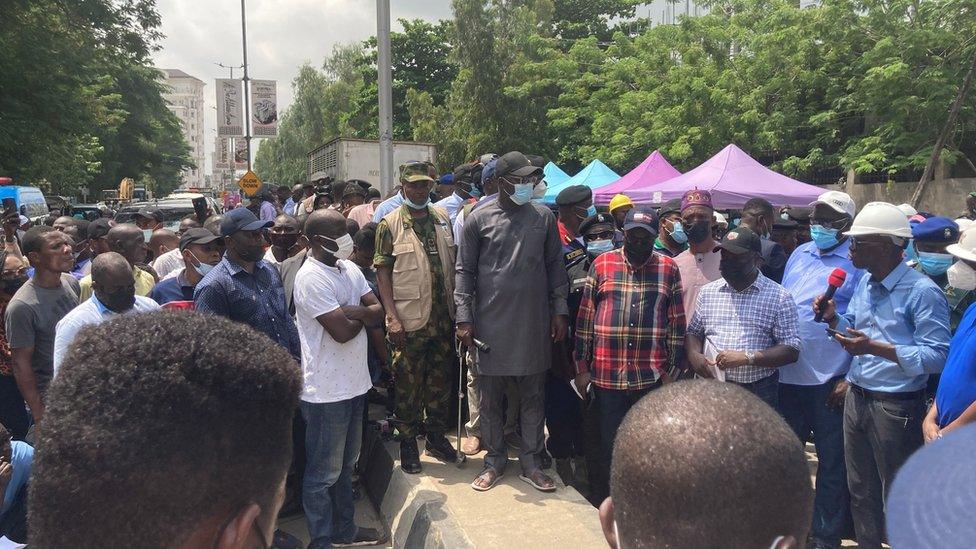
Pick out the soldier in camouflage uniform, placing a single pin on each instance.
(415, 273)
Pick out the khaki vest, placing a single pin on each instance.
(412, 280)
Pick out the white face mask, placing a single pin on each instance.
(962, 276)
(345, 245)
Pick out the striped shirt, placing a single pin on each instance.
(631, 321)
(757, 318)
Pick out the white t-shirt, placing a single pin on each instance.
(168, 262)
(332, 371)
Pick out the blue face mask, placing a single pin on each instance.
(678, 233)
(911, 253)
(935, 264)
(415, 206)
(475, 192)
(522, 194)
(591, 211)
(597, 247)
(823, 237)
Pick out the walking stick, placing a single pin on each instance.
(462, 391)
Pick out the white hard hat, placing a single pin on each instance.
(966, 247)
(720, 219)
(837, 201)
(908, 210)
(880, 218)
(965, 223)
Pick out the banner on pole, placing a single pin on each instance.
(230, 116)
(222, 153)
(240, 154)
(264, 108)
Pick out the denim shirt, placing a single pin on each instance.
(909, 311)
(256, 299)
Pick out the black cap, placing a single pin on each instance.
(467, 172)
(99, 227)
(598, 219)
(536, 160)
(641, 216)
(574, 194)
(241, 219)
(671, 206)
(784, 224)
(197, 235)
(800, 214)
(515, 163)
(740, 240)
(352, 188)
(149, 213)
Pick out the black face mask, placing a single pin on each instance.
(637, 253)
(735, 270)
(284, 241)
(120, 301)
(698, 231)
(10, 286)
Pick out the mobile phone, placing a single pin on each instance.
(9, 207)
(200, 208)
(832, 332)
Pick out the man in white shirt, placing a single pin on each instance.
(113, 293)
(333, 305)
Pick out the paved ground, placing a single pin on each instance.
(365, 516)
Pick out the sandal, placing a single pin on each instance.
(490, 476)
(540, 481)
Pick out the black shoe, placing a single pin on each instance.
(409, 456)
(284, 540)
(364, 536)
(439, 447)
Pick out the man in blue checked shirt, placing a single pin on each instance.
(897, 329)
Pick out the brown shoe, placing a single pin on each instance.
(470, 446)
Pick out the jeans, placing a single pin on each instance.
(564, 419)
(612, 405)
(805, 409)
(333, 437)
(879, 435)
(767, 389)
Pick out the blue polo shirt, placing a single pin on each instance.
(175, 288)
(957, 388)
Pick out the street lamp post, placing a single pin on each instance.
(247, 91)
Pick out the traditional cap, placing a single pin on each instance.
(940, 230)
(696, 197)
(574, 194)
(932, 498)
(641, 216)
(241, 219)
(197, 235)
(669, 207)
(740, 240)
(416, 171)
(99, 227)
(619, 201)
(515, 163)
(837, 201)
(595, 220)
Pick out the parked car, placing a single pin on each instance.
(171, 210)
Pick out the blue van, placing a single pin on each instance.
(30, 200)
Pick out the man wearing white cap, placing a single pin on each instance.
(812, 389)
(897, 329)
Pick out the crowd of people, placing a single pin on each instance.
(575, 334)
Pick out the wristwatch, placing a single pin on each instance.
(751, 357)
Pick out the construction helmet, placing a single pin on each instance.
(880, 218)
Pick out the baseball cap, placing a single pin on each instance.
(149, 213)
(740, 240)
(99, 228)
(515, 163)
(197, 235)
(931, 500)
(241, 219)
(641, 216)
(415, 171)
(837, 201)
(669, 207)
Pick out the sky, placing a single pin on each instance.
(282, 35)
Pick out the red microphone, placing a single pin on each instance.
(834, 281)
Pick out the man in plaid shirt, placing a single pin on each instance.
(630, 326)
(745, 325)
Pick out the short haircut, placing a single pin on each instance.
(365, 239)
(143, 439)
(33, 240)
(703, 463)
(760, 205)
(81, 229)
(107, 264)
(352, 227)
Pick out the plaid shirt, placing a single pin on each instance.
(757, 318)
(631, 321)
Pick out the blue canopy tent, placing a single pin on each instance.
(554, 174)
(594, 175)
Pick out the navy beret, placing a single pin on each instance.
(573, 194)
(600, 218)
(936, 229)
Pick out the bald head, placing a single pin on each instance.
(707, 464)
(162, 241)
(328, 223)
(286, 223)
(127, 240)
(113, 282)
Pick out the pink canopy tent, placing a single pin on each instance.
(733, 177)
(653, 170)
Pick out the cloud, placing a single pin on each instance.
(282, 35)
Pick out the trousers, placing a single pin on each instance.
(422, 372)
(473, 426)
(531, 411)
(766, 389)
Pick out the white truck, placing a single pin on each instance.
(346, 158)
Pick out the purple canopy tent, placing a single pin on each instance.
(733, 177)
(653, 170)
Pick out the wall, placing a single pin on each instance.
(946, 197)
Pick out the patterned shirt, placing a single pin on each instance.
(757, 318)
(256, 299)
(631, 321)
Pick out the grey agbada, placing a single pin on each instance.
(511, 279)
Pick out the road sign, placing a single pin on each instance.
(249, 183)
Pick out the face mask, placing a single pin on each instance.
(284, 241)
(202, 268)
(733, 270)
(911, 253)
(590, 212)
(475, 192)
(962, 276)
(698, 232)
(11, 286)
(636, 252)
(345, 245)
(678, 233)
(251, 254)
(597, 247)
(522, 194)
(935, 264)
(413, 205)
(146, 234)
(823, 237)
(119, 302)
